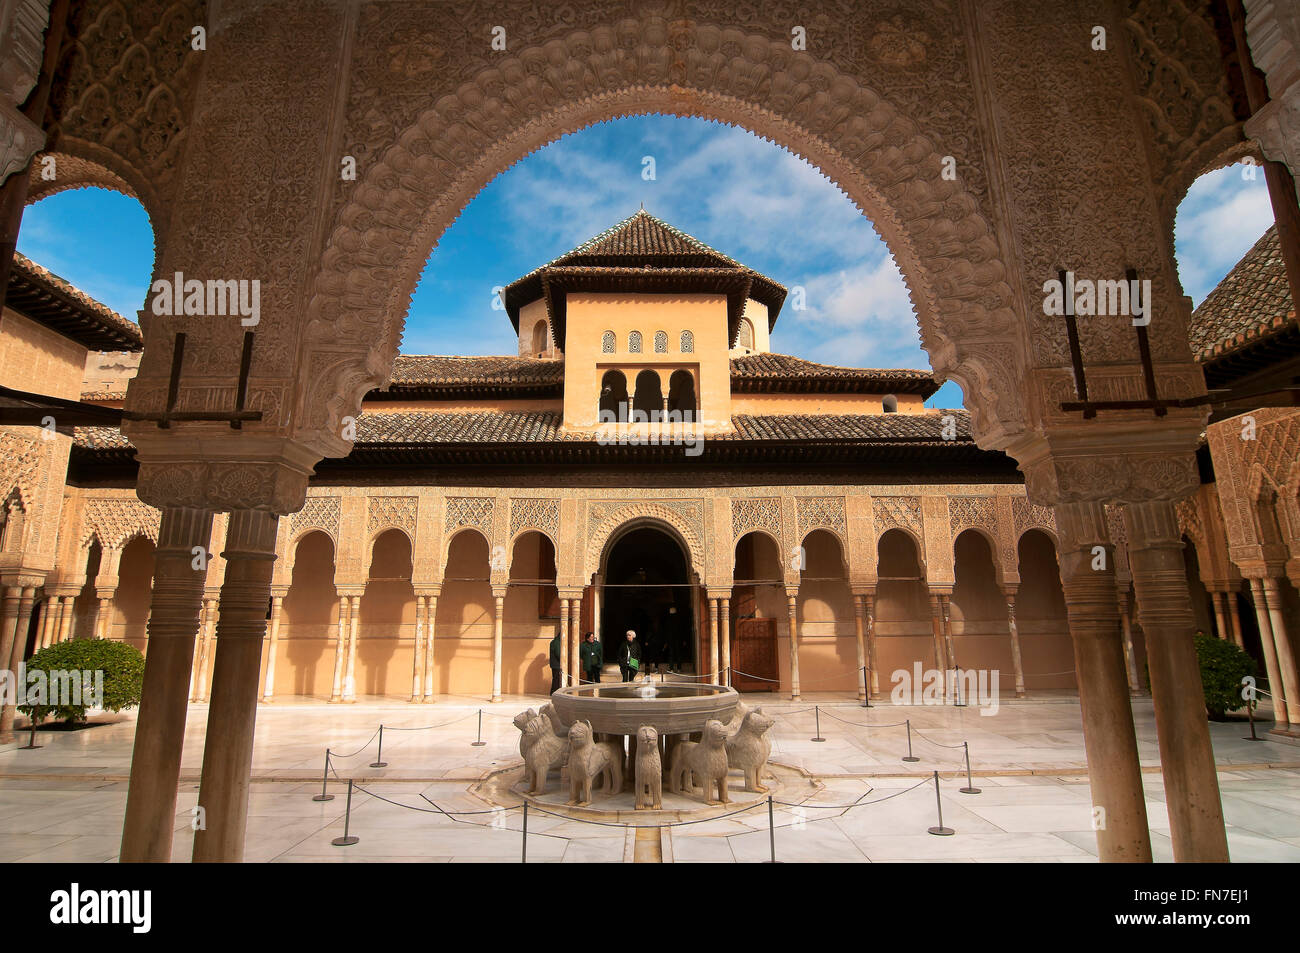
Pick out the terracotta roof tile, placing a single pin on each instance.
(1252, 301)
(45, 297)
(784, 372)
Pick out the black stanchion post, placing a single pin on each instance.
(940, 830)
(969, 788)
(379, 761)
(480, 742)
(956, 688)
(817, 714)
(866, 688)
(1250, 713)
(771, 830)
(346, 840)
(325, 777)
(31, 740)
(524, 855)
(910, 757)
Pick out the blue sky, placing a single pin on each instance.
(746, 197)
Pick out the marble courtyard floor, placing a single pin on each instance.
(64, 801)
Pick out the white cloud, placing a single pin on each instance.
(1222, 215)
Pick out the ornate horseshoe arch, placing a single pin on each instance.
(877, 156)
(642, 514)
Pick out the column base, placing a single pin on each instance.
(495, 699)
(430, 699)
(416, 699)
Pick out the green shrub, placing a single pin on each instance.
(123, 679)
(1223, 666)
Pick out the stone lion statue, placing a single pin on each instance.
(556, 725)
(749, 748)
(587, 759)
(649, 770)
(703, 762)
(525, 739)
(543, 750)
(737, 719)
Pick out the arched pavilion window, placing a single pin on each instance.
(688, 342)
(634, 342)
(661, 342)
(607, 343)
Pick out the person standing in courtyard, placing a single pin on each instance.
(556, 671)
(629, 657)
(591, 656)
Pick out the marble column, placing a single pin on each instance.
(174, 606)
(792, 605)
(8, 635)
(1234, 617)
(860, 634)
(936, 631)
(206, 647)
(50, 621)
(873, 663)
(340, 651)
(724, 638)
(564, 642)
(1126, 631)
(417, 654)
(277, 604)
(104, 617)
(498, 622)
(17, 653)
(228, 749)
(1155, 550)
(1281, 641)
(431, 615)
(1220, 617)
(198, 648)
(575, 640)
(715, 637)
(945, 610)
(1009, 593)
(350, 670)
(66, 616)
(1114, 773)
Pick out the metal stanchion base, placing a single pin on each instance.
(30, 747)
(942, 831)
(379, 764)
(477, 744)
(323, 797)
(1246, 738)
(910, 759)
(816, 739)
(345, 841)
(969, 790)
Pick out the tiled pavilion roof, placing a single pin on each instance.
(1252, 302)
(55, 302)
(783, 373)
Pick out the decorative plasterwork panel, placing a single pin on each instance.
(821, 512)
(898, 511)
(1026, 515)
(965, 512)
(749, 515)
(115, 521)
(469, 511)
(392, 511)
(319, 512)
(685, 516)
(534, 513)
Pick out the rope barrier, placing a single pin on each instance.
(938, 744)
(855, 724)
(857, 803)
(358, 751)
(427, 727)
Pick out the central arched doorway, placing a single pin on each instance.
(648, 586)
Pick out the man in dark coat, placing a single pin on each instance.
(629, 657)
(591, 656)
(556, 671)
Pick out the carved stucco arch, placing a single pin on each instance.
(835, 535)
(755, 531)
(917, 541)
(944, 247)
(380, 531)
(83, 165)
(524, 531)
(660, 517)
(996, 550)
(446, 549)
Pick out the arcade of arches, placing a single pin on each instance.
(1066, 157)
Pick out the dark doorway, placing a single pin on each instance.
(648, 590)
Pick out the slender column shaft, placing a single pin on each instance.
(1130, 655)
(945, 610)
(575, 641)
(498, 621)
(872, 662)
(1281, 641)
(17, 652)
(205, 649)
(232, 714)
(564, 641)
(431, 615)
(104, 620)
(354, 634)
(8, 635)
(724, 613)
(1114, 774)
(340, 651)
(936, 631)
(174, 606)
(417, 653)
(1275, 686)
(1234, 617)
(277, 603)
(1155, 549)
(1220, 617)
(715, 636)
(49, 621)
(792, 605)
(860, 633)
(197, 649)
(66, 617)
(1015, 643)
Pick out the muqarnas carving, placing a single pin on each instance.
(703, 763)
(587, 759)
(749, 748)
(649, 770)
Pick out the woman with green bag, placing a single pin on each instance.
(629, 658)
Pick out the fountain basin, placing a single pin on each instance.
(618, 708)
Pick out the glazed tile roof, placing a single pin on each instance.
(784, 373)
(43, 296)
(1253, 301)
